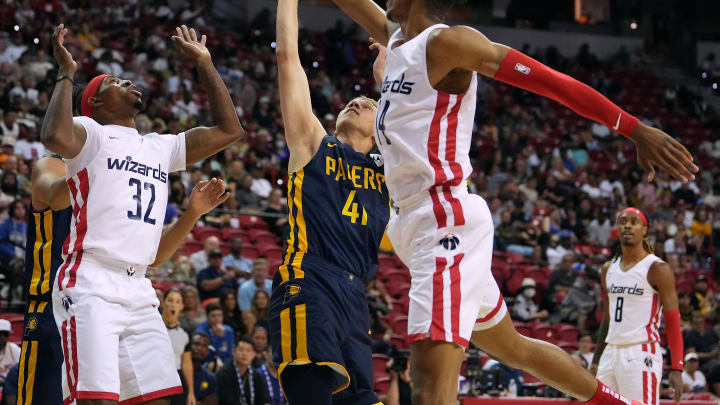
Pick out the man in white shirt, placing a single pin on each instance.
(693, 379)
(9, 352)
(199, 259)
(29, 147)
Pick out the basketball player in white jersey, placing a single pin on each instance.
(639, 287)
(443, 234)
(115, 345)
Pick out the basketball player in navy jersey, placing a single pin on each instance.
(424, 130)
(39, 374)
(338, 209)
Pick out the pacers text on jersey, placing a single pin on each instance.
(618, 289)
(361, 177)
(132, 166)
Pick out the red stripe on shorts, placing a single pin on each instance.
(81, 224)
(437, 325)
(73, 270)
(645, 387)
(650, 334)
(434, 139)
(493, 312)
(66, 354)
(438, 209)
(654, 389)
(455, 296)
(455, 204)
(73, 344)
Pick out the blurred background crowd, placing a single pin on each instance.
(553, 180)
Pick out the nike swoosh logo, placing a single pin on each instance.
(112, 137)
(331, 145)
(618, 123)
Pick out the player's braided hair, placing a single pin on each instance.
(441, 7)
(617, 254)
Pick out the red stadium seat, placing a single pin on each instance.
(386, 262)
(17, 323)
(399, 325)
(271, 252)
(568, 346)
(250, 252)
(399, 342)
(191, 247)
(397, 276)
(380, 365)
(523, 329)
(252, 222)
(398, 290)
(229, 233)
(566, 332)
(382, 385)
(256, 234)
(203, 232)
(544, 332)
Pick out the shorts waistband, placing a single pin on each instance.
(119, 266)
(622, 346)
(423, 198)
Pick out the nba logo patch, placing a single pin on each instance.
(379, 161)
(291, 291)
(522, 68)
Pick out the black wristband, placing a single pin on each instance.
(63, 77)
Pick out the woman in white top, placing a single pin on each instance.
(693, 379)
(172, 306)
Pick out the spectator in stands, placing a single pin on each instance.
(702, 298)
(585, 348)
(9, 127)
(704, 341)
(232, 316)
(192, 314)
(257, 316)
(270, 374)
(172, 306)
(277, 205)
(204, 382)
(675, 245)
(260, 185)
(260, 341)
(700, 230)
(12, 233)
(212, 280)
(685, 308)
(555, 252)
(259, 281)
(9, 187)
(581, 300)
(525, 309)
(28, 147)
(235, 261)
(10, 386)
(400, 390)
(9, 351)
(245, 197)
(222, 337)
(600, 228)
(199, 259)
(238, 371)
(693, 379)
(561, 279)
(237, 171)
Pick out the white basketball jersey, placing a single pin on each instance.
(634, 304)
(423, 134)
(119, 191)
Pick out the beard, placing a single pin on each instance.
(139, 105)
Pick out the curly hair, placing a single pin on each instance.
(441, 7)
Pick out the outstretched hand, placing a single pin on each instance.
(190, 46)
(676, 382)
(655, 147)
(379, 64)
(64, 59)
(207, 195)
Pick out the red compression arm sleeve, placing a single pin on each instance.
(675, 339)
(522, 71)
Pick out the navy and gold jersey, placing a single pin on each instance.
(41, 358)
(47, 231)
(338, 210)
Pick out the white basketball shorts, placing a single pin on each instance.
(446, 240)
(634, 371)
(115, 344)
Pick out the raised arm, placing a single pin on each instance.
(472, 51)
(205, 196)
(303, 131)
(203, 142)
(49, 189)
(58, 133)
(370, 16)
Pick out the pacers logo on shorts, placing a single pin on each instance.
(450, 242)
(31, 326)
(291, 291)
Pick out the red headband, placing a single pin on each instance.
(634, 211)
(90, 91)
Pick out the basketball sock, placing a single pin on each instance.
(606, 396)
(308, 384)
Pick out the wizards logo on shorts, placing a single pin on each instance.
(648, 362)
(67, 302)
(450, 242)
(291, 291)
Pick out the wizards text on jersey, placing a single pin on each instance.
(397, 86)
(132, 166)
(618, 289)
